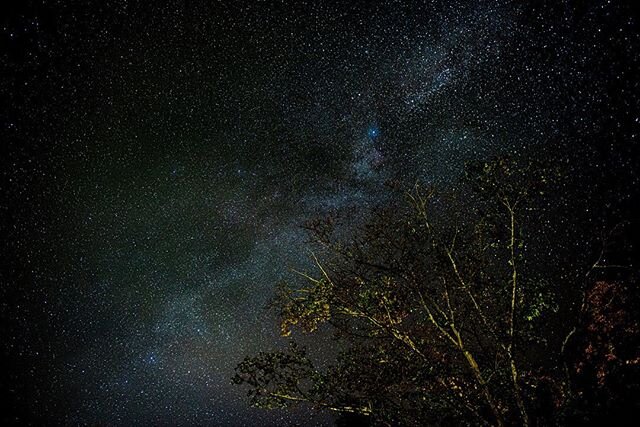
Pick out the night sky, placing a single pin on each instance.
(160, 158)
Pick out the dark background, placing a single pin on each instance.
(159, 158)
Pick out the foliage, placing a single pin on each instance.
(605, 357)
(442, 307)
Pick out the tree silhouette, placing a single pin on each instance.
(441, 306)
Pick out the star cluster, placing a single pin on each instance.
(162, 157)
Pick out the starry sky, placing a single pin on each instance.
(162, 156)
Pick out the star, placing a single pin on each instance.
(373, 132)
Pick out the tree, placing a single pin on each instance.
(441, 306)
(605, 361)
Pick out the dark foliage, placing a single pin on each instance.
(450, 313)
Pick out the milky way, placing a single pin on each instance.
(163, 156)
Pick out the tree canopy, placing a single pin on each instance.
(448, 310)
